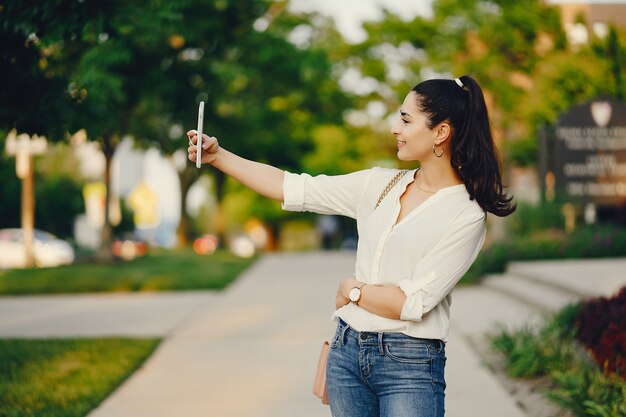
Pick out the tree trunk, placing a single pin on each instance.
(28, 210)
(186, 178)
(108, 148)
(220, 221)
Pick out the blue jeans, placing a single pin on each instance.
(385, 375)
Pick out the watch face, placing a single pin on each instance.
(355, 294)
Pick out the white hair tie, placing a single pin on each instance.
(459, 82)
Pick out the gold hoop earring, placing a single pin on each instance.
(441, 154)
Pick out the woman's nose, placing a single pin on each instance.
(395, 129)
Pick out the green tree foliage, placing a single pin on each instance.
(10, 189)
(35, 35)
(264, 93)
(518, 51)
(141, 68)
(59, 201)
(282, 104)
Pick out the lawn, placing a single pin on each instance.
(160, 270)
(65, 377)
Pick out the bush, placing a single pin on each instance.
(530, 353)
(590, 242)
(522, 152)
(529, 218)
(58, 201)
(552, 351)
(588, 392)
(601, 327)
(10, 190)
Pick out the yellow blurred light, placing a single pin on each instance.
(257, 232)
(177, 41)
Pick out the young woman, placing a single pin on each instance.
(387, 357)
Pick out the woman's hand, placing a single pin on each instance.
(210, 146)
(343, 292)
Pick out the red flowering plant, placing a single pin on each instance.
(601, 327)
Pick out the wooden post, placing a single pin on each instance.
(543, 161)
(23, 147)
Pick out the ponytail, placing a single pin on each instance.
(473, 153)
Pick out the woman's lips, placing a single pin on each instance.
(401, 143)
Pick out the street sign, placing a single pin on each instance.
(16, 144)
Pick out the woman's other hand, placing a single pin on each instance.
(343, 292)
(210, 146)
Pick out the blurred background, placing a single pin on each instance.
(107, 90)
(97, 194)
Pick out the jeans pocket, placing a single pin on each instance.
(338, 338)
(416, 354)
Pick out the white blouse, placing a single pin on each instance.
(425, 254)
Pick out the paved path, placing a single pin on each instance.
(251, 350)
(86, 315)
(253, 355)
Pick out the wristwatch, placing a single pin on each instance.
(355, 294)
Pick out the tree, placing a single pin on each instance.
(126, 60)
(518, 51)
(140, 69)
(34, 98)
(264, 94)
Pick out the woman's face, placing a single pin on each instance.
(415, 139)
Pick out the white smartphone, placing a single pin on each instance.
(199, 131)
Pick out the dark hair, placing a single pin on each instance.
(473, 153)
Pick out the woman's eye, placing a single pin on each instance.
(404, 121)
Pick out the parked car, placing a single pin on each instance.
(48, 250)
(129, 247)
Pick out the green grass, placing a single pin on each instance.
(63, 377)
(160, 270)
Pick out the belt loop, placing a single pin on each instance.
(380, 344)
(343, 334)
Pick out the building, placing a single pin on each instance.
(597, 15)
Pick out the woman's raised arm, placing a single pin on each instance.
(262, 178)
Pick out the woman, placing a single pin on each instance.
(417, 239)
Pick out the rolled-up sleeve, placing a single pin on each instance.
(443, 266)
(323, 194)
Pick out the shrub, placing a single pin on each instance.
(534, 353)
(578, 384)
(529, 218)
(59, 200)
(587, 392)
(589, 242)
(601, 327)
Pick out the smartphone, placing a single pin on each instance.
(199, 131)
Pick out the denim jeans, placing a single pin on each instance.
(385, 375)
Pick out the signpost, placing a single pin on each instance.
(590, 154)
(23, 147)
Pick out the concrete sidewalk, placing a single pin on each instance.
(252, 349)
(100, 315)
